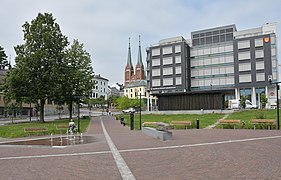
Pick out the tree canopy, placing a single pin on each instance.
(3, 58)
(45, 68)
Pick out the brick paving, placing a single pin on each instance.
(192, 154)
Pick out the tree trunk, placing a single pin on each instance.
(70, 110)
(42, 104)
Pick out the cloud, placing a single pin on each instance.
(105, 26)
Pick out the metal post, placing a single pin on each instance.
(278, 120)
(79, 114)
(140, 111)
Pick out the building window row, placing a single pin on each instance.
(211, 50)
(212, 61)
(165, 61)
(166, 50)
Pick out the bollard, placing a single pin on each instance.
(122, 121)
(132, 121)
(197, 124)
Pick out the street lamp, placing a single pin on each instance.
(278, 118)
(140, 105)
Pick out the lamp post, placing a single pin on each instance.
(278, 118)
(78, 114)
(140, 110)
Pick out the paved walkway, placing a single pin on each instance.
(119, 153)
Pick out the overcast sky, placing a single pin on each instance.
(104, 26)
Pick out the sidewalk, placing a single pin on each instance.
(192, 154)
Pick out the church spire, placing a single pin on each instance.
(139, 55)
(129, 59)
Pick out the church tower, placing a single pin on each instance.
(129, 69)
(139, 74)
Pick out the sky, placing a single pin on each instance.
(104, 27)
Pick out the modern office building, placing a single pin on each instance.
(215, 65)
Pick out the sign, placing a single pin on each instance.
(266, 39)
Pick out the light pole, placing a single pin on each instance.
(278, 118)
(140, 110)
(78, 113)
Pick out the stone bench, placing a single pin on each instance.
(181, 123)
(268, 122)
(162, 135)
(230, 122)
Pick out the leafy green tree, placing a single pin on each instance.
(125, 103)
(264, 100)
(243, 101)
(77, 83)
(3, 58)
(37, 72)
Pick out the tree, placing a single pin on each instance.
(3, 58)
(77, 83)
(264, 100)
(243, 101)
(38, 61)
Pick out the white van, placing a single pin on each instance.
(235, 104)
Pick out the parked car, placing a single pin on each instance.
(235, 104)
(130, 110)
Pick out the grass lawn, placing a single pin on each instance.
(204, 119)
(17, 130)
(247, 115)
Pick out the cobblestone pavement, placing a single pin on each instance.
(192, 154)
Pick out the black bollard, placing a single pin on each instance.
(132, 121)
(197, 124)
(122, 120)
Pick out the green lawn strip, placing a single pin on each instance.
(204, 119)
(17, 130)
(246, 116)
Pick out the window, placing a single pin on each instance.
(178, 70)
(167, 71)
(155, 82)
(214, 50)
(155, 62)
(178, 81)
(177, 48)
(193, 52)
(167, 81)
(245, 78)
(178, 59)
(273, 52)
(259, 53)
(155, 52)
(258, 42)
(245, 67)
(244, 55)
(229, 48)
(243, 44)
(229, 69)
(167, 50)
(167, 60)
(229, 59)
(260, 77)
(155, 72)
(260, 65)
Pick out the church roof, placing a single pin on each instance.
(137, 83)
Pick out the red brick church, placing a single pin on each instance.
(130, 74)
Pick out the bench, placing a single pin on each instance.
(229, 122)
(145, 124)
(62, 126)
(35, 129)
(160, 126)
(268, 122)
(181, 123)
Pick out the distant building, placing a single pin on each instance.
(100, 87)
(136, 82)
(130, 74)
(215, 65)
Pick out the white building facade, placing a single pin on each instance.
(100, 87)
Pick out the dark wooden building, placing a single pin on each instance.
(191, 101)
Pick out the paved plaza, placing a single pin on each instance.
(119, 153)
